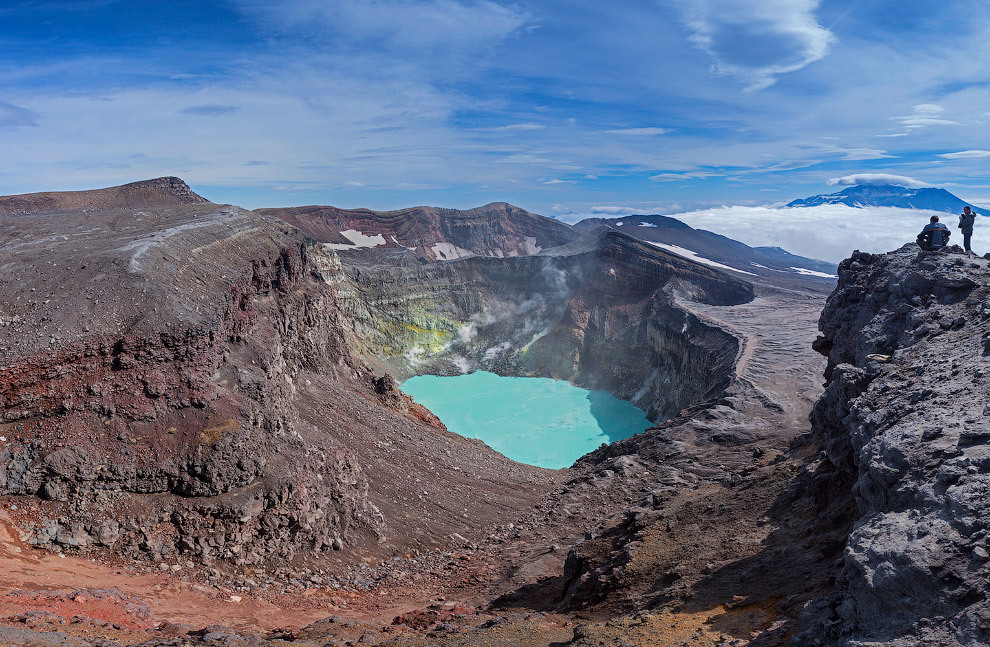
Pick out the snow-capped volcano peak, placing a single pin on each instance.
(891, 195)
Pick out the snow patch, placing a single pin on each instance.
(396, 241)
(647, 224)
(688, 254)
(448, 252)
(806, 272)
(619, 224)
(357, 239)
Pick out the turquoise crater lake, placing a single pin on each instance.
(534, 420)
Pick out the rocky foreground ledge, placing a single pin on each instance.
(905, 423)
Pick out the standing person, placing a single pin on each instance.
(935, 235)
(966, 220)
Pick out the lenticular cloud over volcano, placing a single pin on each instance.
(878, 179)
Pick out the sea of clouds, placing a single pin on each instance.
(828, 232)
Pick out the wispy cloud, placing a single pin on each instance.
(210, 110)
(12, 116)
(611, 210)
(966, 155)
(639, 132)
(434, 25)
(519, 127)
(926, 114)
(680, 177)
(524, 158)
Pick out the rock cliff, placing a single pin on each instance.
(175, 379)
(903, 422)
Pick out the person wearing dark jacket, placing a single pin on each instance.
(935, 235)
(966, 221)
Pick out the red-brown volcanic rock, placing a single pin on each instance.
(496, 229)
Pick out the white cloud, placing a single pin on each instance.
(524, 158)
(925, 114)
(591, 176)
(615, 211)
(399, 24)
(678, 177)
(756, 40)
(877, 179)
(828, 232)
(521, 127)
(639, 132)
(865, 154)
(965, 155)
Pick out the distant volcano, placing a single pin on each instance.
(891, 195)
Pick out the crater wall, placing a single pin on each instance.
(598, 312)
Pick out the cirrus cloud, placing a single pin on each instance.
(639, 132)
(13, 116)
(965, 155)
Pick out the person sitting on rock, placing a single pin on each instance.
(935, 235)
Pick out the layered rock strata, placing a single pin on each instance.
(431, 233)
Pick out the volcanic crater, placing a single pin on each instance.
(202, 400)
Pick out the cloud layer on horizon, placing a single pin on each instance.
(828, 232)
(387, 103)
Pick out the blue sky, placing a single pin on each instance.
(562, 107)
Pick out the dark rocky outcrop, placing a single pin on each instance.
(903, 422)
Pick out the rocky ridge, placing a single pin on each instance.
(431, 233)
(159, 191)
(904, 427)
